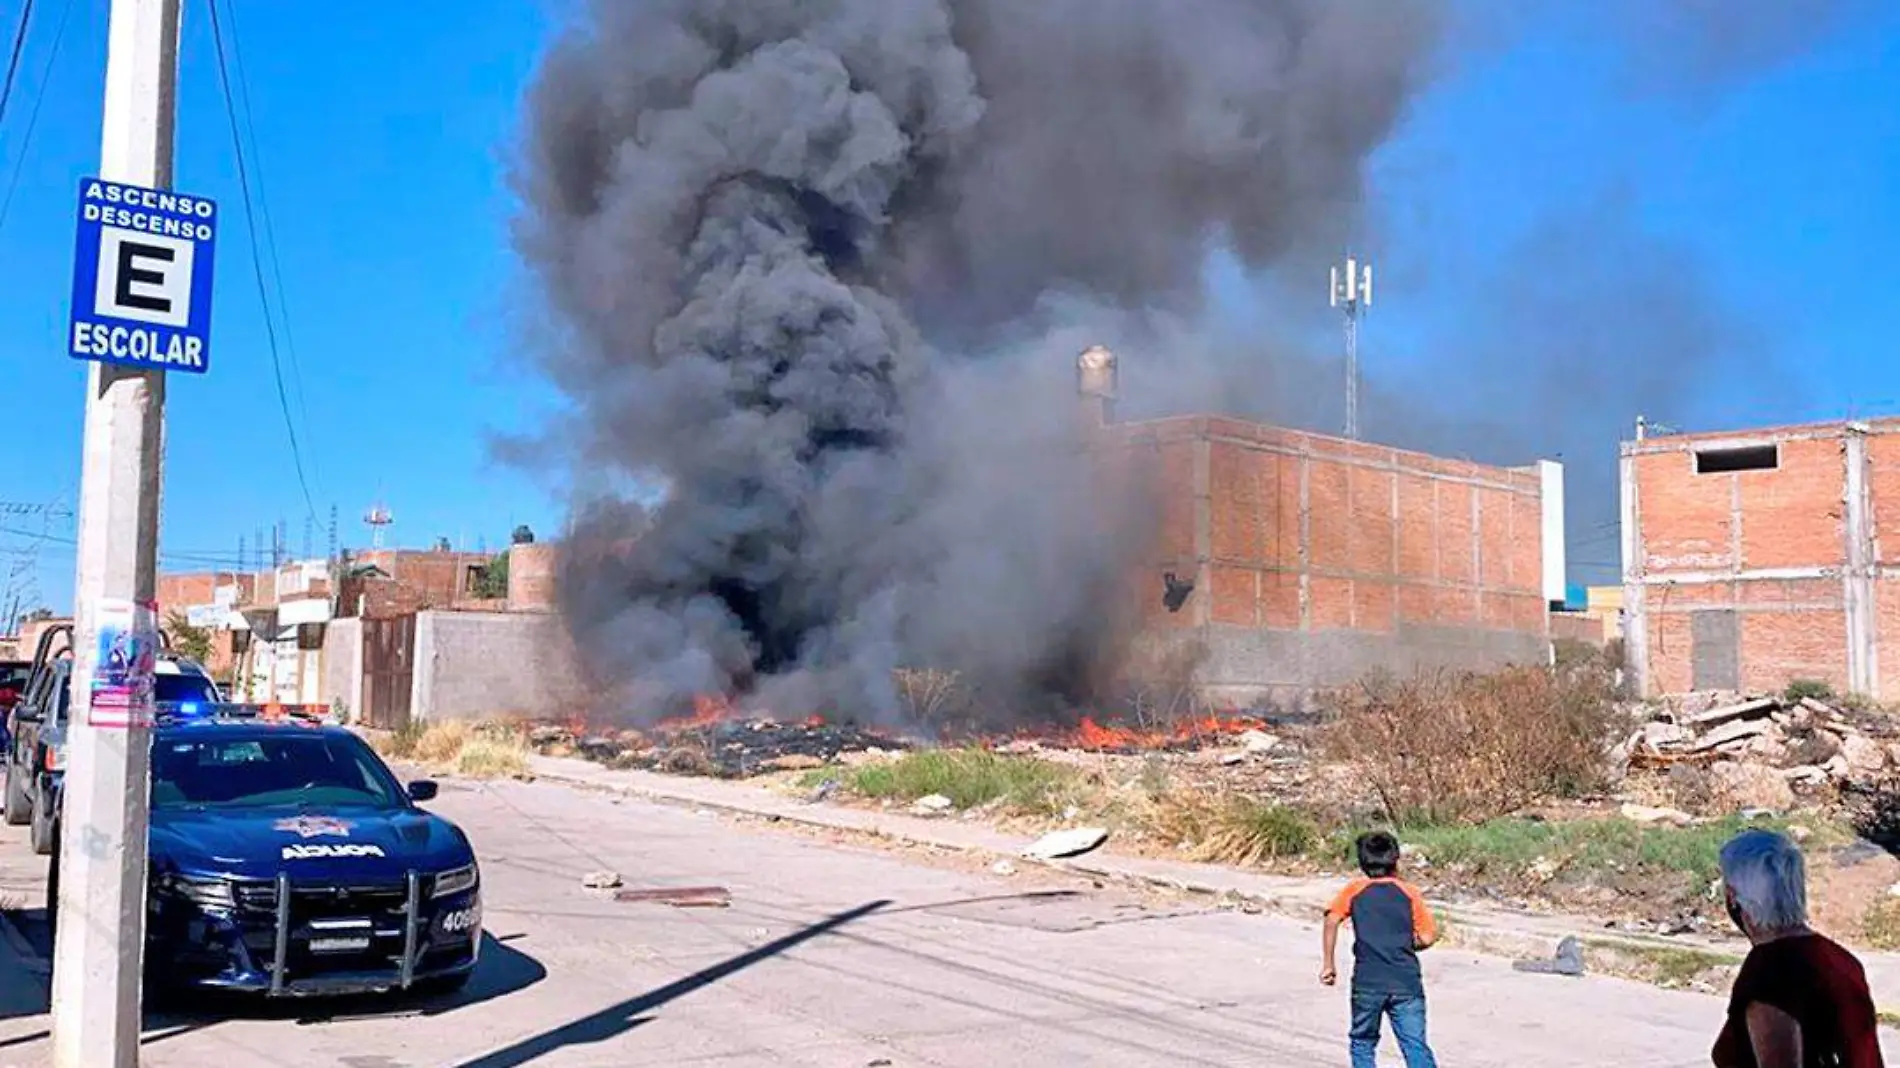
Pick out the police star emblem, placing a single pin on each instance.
(314, 826)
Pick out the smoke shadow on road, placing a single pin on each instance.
(624, 1016)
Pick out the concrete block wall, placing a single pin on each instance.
(481, 665)
(1785, 569)
(1317, 559)
(343, 664)
(1577, 626)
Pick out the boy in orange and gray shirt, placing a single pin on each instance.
(1390, 924)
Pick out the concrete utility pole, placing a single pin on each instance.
(99, 948)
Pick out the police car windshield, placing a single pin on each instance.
(266, 770)
(169, 689)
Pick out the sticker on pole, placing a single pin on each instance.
(123, 670)
(142, 278)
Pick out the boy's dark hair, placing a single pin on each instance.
(1378, 854)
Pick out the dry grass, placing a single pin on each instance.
(1448, 747)
(1231, 829)
(474, 750)
(930, 695)
(1880, 927)
(1671, 967)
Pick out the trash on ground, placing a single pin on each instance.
(1069, 843)
(1567, 961)
(681, 897)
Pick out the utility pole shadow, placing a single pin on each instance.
(620, 1018)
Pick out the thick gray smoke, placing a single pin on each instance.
(797, 246)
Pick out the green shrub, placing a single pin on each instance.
(1818, 689)
(968, 777)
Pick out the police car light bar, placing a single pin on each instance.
(208, 712)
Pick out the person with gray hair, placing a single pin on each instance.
(1801, 1001)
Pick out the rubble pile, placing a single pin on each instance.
(1758, 752)
(727, 749)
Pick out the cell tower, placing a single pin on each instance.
(1352, 295)
(376, 519)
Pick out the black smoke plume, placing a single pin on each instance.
(799, 250)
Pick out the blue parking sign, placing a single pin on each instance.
(142, 277)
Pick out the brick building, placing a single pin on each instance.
(1753, 558)
(1316, 559)
(386, 583)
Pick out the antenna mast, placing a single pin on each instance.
(376, 519)
(1352, 295)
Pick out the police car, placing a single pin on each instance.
(286, 859)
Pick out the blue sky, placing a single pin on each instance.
(1770, 198)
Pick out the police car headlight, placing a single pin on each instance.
(212, 893)
(454, 881)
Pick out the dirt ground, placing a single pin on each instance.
(1848, 878)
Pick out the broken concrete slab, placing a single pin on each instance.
(1069, 843)
(1731, 732)
(1743, 786)
(1659, 735)
(1819, 708)
(1864, 756)
(1760, 708)
(1806, 775)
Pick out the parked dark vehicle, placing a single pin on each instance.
(36, 727)
(13, 676)
(288, 860)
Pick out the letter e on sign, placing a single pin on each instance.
(143, 277)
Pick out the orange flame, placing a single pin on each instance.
(708, 709)
(1095, 736)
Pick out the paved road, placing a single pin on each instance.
(839, 957)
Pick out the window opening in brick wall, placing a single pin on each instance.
(310, 636)
(1744, 458)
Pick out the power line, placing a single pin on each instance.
(257, 259)
(33, 116)
(13, 61)
(197, 556)
(270, 235)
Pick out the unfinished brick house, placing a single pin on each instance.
(1752, 558)
(1316, 560)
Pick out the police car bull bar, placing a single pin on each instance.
(405, 974)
